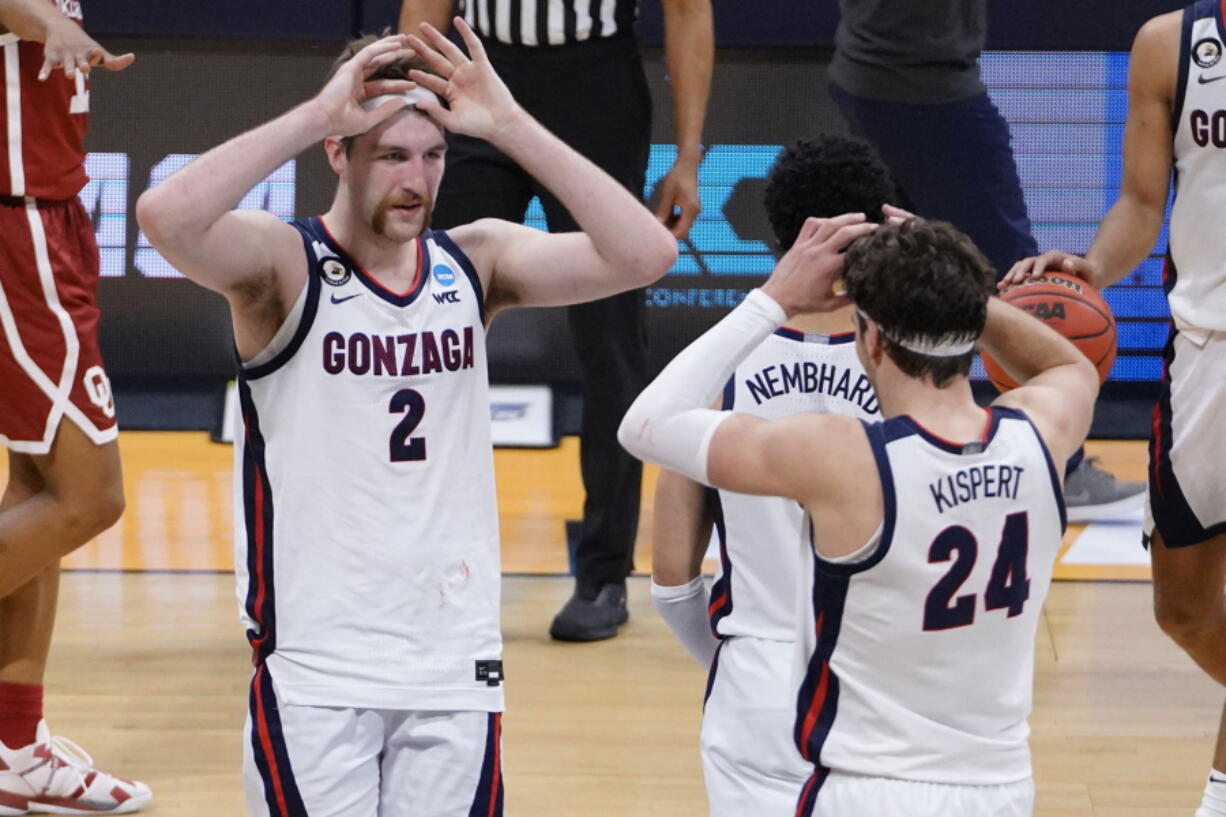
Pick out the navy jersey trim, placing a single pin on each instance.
(260, 602)
(720, 606)
(904, 425)
(817, 702)
(444, 241)
(269, 750)
(1174, 518)
(729, 393)
(487, 801)
(1190, 14)
(713, 671)
(1057, 488)
(393, 298)
(305, 321)
(878, 439)
(836, 339)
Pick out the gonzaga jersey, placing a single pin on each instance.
(1195, 274)
(921, 657)
(41, 122)
(762, 539)
(367, 547)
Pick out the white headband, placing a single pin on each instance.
(411, 98)
(944, 346)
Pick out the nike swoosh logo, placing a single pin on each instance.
(337, 300)
(1204, 80)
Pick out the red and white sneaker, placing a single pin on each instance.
(56, 776)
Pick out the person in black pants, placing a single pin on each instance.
(577, 68)
(906, 77)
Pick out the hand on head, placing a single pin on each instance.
(803, 280)
(479, 104)
(343, 95)
(70, 47)
(1054, 260)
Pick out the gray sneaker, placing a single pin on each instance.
(1090, 493)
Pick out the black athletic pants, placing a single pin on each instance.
(593, 96)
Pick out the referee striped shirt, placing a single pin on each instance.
(549, 22)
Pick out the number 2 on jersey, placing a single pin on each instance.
(402, 447)
(1008, 586)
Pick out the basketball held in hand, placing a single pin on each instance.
(1074, 309)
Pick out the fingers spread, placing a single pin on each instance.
(475, 48)
(443, 45)
(430, 82)
(433, 58)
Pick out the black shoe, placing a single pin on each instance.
(593, 613)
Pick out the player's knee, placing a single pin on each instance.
(86, 516)
(1183, 619)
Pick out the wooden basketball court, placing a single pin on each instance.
(150, 667)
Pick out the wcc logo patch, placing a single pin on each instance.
(1207, 52)
(335, 272)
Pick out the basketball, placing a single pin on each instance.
(1073, 308)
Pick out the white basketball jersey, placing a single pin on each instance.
(1195, 273)
(921, 657)
(762, 539)
(367, 547)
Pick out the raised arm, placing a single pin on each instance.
(1131, 227)
(435, 12)
(622, 245)
(680, 534)
(65, 43)
(689, 47)
(668, 424)
(252, 257)
(1058, 384)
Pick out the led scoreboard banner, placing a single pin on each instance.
(1066, 112)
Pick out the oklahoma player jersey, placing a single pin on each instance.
(367, 527)
(1195, 274)
(921, 658)
(42, 122)
(761, 539)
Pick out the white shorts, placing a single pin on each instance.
(1187, 483)
(850, 795)
(315, 761)
(749, 756)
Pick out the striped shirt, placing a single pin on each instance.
(549, 22)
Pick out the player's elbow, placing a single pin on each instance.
(631, 434)
(656, 257)
(153, 214)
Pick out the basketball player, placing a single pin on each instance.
(57, 418)
(368, 536)
(750, 762)
(1177, 116)
(935, 530)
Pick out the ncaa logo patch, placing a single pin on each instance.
(444, 274)
(1207, 52)
(335, 272)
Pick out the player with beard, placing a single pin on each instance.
(368, 529)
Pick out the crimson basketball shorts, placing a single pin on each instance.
(750, 762)
(319, 761)
(50, 365)
(1187, 447)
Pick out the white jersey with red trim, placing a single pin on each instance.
(762, 539)
(1195, 273)
(921, 657)
(367, 547)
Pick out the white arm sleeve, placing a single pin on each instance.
(684, 610)
(669, 423)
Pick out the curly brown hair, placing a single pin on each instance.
(921, 279)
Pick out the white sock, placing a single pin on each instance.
(1213, 804)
